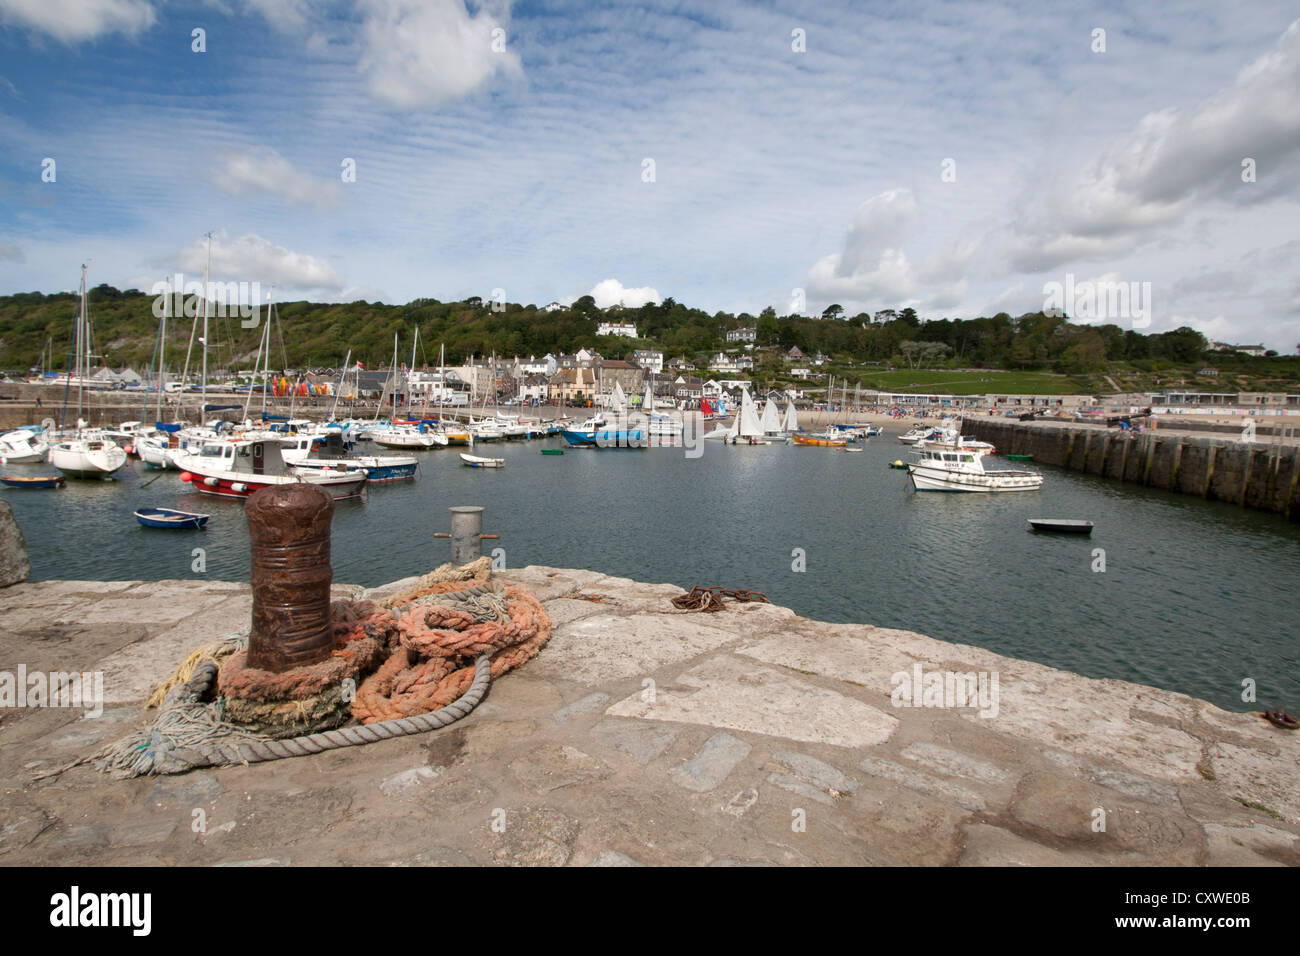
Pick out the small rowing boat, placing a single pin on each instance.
(41, 481)
(1020, 457)
(170, 518)
(1061, 525)
(820, 442)
(473, 461)
(552, 451)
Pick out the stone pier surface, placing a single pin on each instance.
(645, 735)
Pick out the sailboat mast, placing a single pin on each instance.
(81, 333)
(261, 339)
(266, 363)
(334, 399)
(162, 350)
(203, 390)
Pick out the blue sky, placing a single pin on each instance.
(505, 146)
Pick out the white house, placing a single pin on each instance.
(627, 329)
(728, 363)
(742, 335)
(532, 366)
(534, 387)
(553, 307)
(800, 372)
(652, 360)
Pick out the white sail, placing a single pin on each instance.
(618, 399)
(771, 418)
(791, 423)
(750, 426)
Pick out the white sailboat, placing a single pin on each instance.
(771, 420)
(746, 429)
(87, 455)
(790, 424)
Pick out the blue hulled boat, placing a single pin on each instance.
(170, 518)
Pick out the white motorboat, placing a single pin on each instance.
(965, 443)
(23, 446)
(329, 453)
(917, 433)
(954, 466)
(409, 437)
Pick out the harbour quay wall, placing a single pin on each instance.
(1260, 474)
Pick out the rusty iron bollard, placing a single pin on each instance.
(289, 528)
(466, 533)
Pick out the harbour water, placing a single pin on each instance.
(1195, 597)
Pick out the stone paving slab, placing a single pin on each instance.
(645, 735)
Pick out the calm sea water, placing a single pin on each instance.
(1195, 596)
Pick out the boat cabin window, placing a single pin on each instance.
(949, 457)
(967, 457)
(211, 451)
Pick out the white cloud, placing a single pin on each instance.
(250, 258)
(72, 21)
(422, 53)
(612, 292)
(260, 169)
(1170, 162)
(285, 15)
(873, 271)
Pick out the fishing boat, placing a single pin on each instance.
(239, 468)
(23, 446)
(170, 518)
(1061, 525)
(952, 466)
(473, 461)
(36, 481)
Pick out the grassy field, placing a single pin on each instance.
(973, 382)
